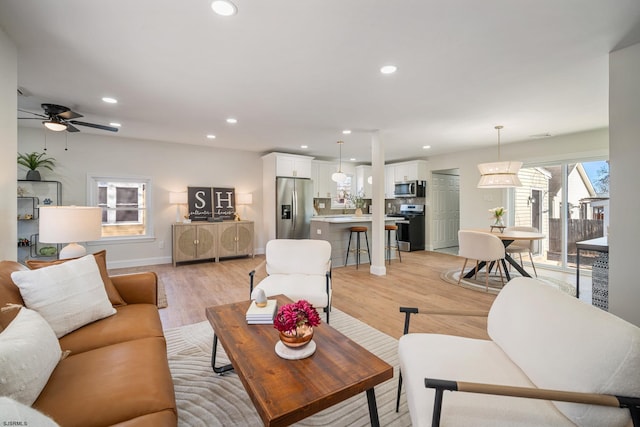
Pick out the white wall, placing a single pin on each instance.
(624, 111)
(172, 167)
(8, 148)
(475, 203)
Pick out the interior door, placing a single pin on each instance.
(445, 210)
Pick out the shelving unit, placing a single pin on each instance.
(31, 196)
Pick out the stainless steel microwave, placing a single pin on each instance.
(410, 189)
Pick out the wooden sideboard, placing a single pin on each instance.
(211, 240)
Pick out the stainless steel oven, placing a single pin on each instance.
(411, 225)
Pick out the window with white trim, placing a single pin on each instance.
(124, 202)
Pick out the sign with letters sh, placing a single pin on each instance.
(209, 202)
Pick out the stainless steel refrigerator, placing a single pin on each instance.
(294, 208)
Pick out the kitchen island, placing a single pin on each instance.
(335, 230)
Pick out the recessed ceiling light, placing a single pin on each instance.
(346, 131)
(353, 159)
(426, 147)
(232, 120)
(304, 146)
(224, 7)
(541, 135)
(388, 69)
(115, 125)
(211, 136)
(110, 100)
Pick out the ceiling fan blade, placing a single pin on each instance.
(71, 128)
(29, 112)
(68, 115)
(32, 118)
(93, 125)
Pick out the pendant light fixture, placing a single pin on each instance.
(339, 177)
(500, 174)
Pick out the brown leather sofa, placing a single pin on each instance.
(117, 371)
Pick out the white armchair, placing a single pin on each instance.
(569, 363)
(299, 269)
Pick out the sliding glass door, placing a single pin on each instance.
(568, 203)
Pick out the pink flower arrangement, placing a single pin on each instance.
(292, 316)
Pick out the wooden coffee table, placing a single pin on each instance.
(286, 391)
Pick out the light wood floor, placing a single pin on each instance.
(375, 300)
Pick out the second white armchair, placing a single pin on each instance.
(298, 269)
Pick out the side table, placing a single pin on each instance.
(601, 244)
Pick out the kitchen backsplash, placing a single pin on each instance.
(391, 206)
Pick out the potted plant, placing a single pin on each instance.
(33, 161)
(295, 322)
(357, 200)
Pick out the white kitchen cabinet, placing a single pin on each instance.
(290, 165)
(323, 185)
(389, 181)
(415, 170)
(363, 172)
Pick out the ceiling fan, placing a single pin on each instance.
(59, 118)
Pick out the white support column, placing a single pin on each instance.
(377, 224)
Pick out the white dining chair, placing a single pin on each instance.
(522, 246)
(480, 247)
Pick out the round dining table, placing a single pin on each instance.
(508, 237)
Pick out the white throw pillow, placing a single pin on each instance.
(13, 413)
(68, 295)
(29, 352)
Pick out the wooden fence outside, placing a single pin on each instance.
(579, 230)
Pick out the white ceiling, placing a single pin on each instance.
(300, 71)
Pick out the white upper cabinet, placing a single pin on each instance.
(363, 173)
(389, 181)
(323, 186)
(291, 165)
(415, 170)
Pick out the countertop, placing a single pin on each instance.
(341, 219)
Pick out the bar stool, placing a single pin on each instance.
(357, 250)
(389, 228)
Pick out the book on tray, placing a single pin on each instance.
(262, 315)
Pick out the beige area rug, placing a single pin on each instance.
(206, 399)
(495, 285)
(162, 295)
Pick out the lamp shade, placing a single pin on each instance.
(244, 198)
(66, 224)
(499, 174)
(178, 198)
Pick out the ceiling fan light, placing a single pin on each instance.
(55, 125)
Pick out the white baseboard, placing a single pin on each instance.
(139, 262)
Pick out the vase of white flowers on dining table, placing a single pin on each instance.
(497, 214)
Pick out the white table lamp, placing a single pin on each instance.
(178, 199)
(70, 224)
(244, 199)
